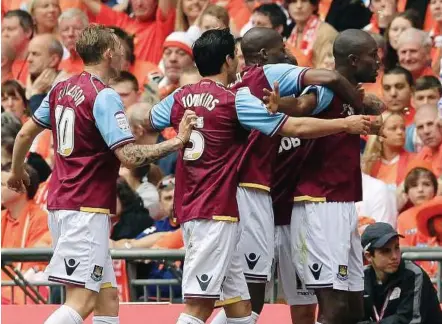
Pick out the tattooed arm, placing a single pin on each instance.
(134, 155)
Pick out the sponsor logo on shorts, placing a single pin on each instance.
(204, 281)
(252, 259)
(342, 272)
(70, 266)
(316, 269)
(97, 274)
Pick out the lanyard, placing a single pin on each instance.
(378, 317)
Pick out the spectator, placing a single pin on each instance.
(395, 291)
(383, 13)
(142, 70)
(131, 216)
(187, 13)
(269, 15)
(11, 125)
(385, 157)
(45, 14)
(152, 21)
(126, 85)
(24, 225)
(190, 76)
(45, 54)
(420, 186)
(436, 11)
(18, 29)
(138, 117)
(138, 180)
(177, 56)
(429, 131)
(400, 22)
(214, 17)
(71, 23)
(397, 86)
(8, 57)
(309, 30)
(14, 100)
(414, 52)
(428, 90)
(322, 56)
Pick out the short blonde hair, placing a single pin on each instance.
(93, 42)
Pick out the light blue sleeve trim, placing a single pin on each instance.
(324, 97)
(252, 113)
(288, 76)
(110, 119)
(42, 114)
(160, 113)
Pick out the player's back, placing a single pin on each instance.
(206, 171)
(85, 171)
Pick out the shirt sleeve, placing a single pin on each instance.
(41, 115)
(111, 120)
(289, 77)
(324, 97)
(252, 114)
(160, 113)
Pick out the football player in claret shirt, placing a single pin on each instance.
(91, 137)
(262, 48)
(324, 219)
(207, 177)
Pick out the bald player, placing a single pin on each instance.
(325, 239)
(262, 47)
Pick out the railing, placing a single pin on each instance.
(44, 255)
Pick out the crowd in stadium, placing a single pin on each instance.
(402, 166)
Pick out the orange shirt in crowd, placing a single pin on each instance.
(239, 13)
(435, 158)
(72, 65)
(20, 71)
(28, 230)
(149, 35)
(12, 4)
(41, 196)
(375, 88)
(66, 4)
(300, 57)
(392, 172)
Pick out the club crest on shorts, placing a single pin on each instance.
(204, 281)
(342, 272)
(97, 274)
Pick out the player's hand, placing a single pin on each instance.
(272, 98)
(187, 124)
(18, 181)
(358, 124)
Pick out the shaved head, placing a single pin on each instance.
(262, 45)
(356, 56)
(426, 110)
(352, 42)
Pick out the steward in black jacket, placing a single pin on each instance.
(395, 291)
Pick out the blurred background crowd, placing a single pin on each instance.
(402, 169)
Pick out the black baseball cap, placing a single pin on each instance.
(377, 235)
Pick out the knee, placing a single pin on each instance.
(107, 303)
(81, 300)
